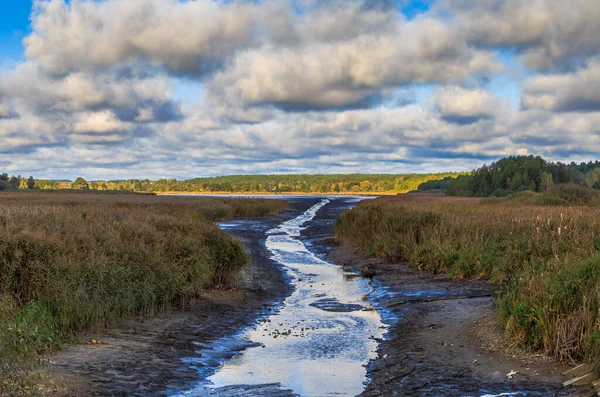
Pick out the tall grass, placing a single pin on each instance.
(71, 263)
(547, 259)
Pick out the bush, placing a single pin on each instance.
(571, 195)
(561, 195)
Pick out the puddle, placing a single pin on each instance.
(317, 344)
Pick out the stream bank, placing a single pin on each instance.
(143, 356)
(430, 349)
(445, 341)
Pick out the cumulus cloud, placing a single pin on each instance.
(5, 112)
(336, 54)
(352, 73)
(342, 20)
(98, 122)
(299, 86)
(191, 37)
(548, 33)
(186, 37)
(576, 91)
(464, 106)
(31, 88)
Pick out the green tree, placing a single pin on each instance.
(80, 184)
(30, 183)
(547, 182)
(14, 182)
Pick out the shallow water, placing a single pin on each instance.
(321, 339)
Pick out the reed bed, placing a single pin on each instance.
(71, 263)
(547, 259)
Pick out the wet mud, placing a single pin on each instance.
(319, 340)
(443, 339)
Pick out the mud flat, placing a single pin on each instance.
(317, 342)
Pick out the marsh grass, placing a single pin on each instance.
(71, 263)
(561, 195)
(546, 257)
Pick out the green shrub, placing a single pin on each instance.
(566, 195)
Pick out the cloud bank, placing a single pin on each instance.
(298, 86)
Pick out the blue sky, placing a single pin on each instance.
(14, 25)
(205, 88)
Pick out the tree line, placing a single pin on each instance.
(15, 182)
(294, 183)
(501, 178)
(518, 173)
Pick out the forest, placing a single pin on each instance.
(499, 179)
(516, 174)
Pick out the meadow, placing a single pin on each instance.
(74, 263)
(544, 254)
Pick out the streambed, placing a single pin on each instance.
(317, 344)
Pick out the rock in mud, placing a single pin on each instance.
(367, 271)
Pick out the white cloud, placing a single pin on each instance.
(186, 36)
(576, 91)
(308, 91)
(466, 106)
(32, 88)
(349, 73)
(549, 33)
(99, 122)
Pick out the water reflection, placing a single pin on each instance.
(325, 333)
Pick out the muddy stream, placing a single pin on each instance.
(317, 344)
(320, 340)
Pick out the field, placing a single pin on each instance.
(547, 259)
(71, 263)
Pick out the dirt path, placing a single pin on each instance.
(143, 357)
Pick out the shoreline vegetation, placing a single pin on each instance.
(530, 225)
(76, 263)
(545, 257)
(78, 256)
(208, 194)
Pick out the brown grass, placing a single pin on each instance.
(75, 262)
(548, 259)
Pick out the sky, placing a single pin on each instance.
(120, 89)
